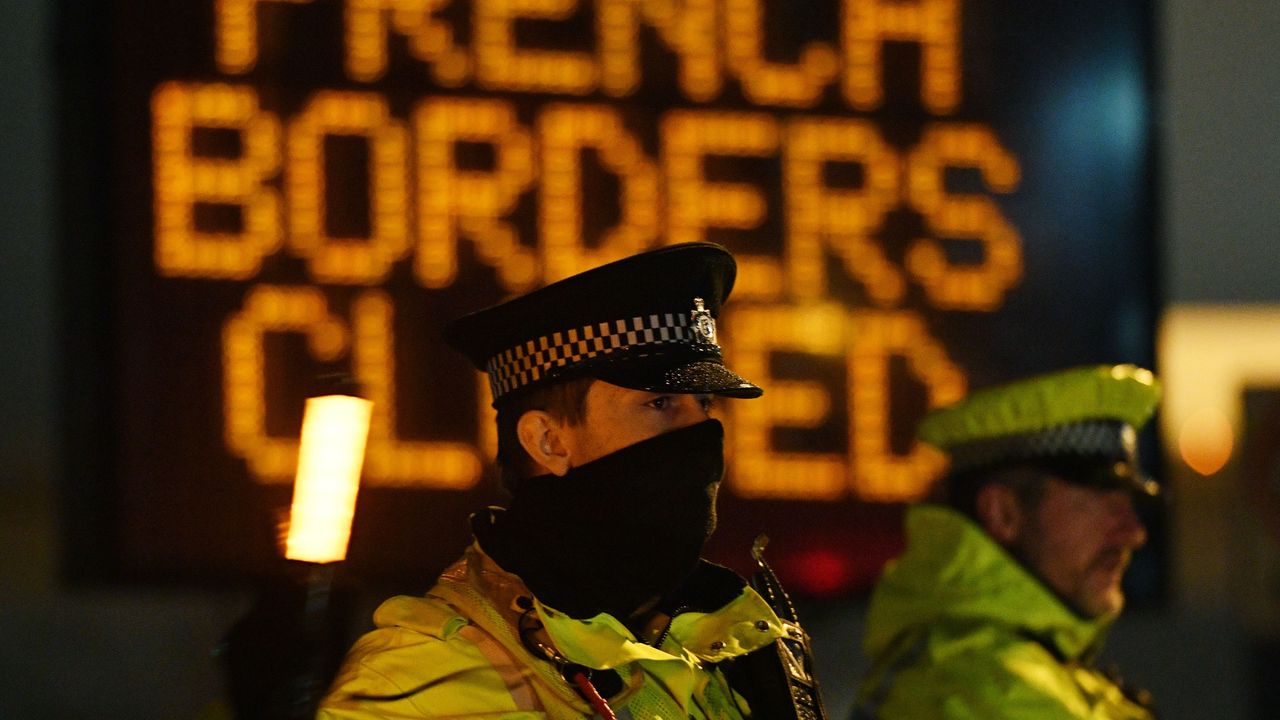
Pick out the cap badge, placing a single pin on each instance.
(704, 326)
(1129, 441)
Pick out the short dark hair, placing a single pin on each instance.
(1027, 481)
(566, 401)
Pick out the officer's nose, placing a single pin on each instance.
(1128, 527)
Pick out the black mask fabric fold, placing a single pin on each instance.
(617, 532)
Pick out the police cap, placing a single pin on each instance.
(1081, 422)
(646, 322)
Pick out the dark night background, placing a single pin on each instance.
(1145, 134)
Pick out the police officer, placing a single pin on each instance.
(586, 595)
(999, 605)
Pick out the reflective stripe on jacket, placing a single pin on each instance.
(959, 629)
(456, 653)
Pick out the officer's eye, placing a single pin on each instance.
(707, 402)
(661, 402)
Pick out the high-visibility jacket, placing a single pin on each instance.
(957, 628)
(457, 653)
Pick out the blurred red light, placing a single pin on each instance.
(820, 572)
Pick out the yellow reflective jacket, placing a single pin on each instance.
(958, 629)
(457, 653)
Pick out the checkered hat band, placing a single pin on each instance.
(1090, 438)
(550, 355)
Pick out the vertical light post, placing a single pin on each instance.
(334, 431)
(335, 428)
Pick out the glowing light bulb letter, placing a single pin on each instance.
(430, 39)
(393, 462)
(934, 24)
(878, 473)
(183, 181)
(362, 260)
(694, 204)
(236, 33)
(502, 64)
(843, 218)
(760, 470)
(564, 130)
(976, 218)
(269, 309)
(770, 83)
(453, 200)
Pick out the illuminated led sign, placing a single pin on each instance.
(330, 182)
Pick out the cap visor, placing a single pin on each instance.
(696, 377)
(1119, 475)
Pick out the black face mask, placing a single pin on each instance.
(611, 535)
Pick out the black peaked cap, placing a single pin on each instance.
(632, 322)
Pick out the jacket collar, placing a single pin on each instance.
(741, 625)
(953, 570)
(745, 624)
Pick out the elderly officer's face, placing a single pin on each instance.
(1079, 540)
(617, 417)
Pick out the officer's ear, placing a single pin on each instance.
(541, 437)
(1000, 512)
